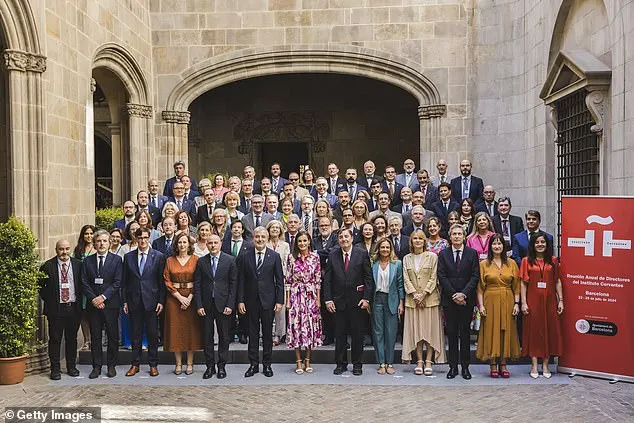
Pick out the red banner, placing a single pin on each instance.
(597, 272)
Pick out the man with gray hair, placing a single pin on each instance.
(249, 173)
(399, 241)
(256, 217)
(203, 185)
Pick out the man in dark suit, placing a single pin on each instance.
(156, 199)
(348, 287)
(256, 217)
(416, 221)
(521, 239)
(204, 211)
(277, 182)
(61, 291)
(323, 244)
(190, 193)
(392, 187)
(467, 185)
(215, 288)
(261, 295)
(101, 280)
(487, 203)
(399, 241)
(181, 200)
(321, 192)
(164, 244)
(444, 205)
(408, 177)
(248, 173)
(352, 186)
(405, 206)
(343, 202)
(458, 274)
(246, 196)
(430, 192)
(335, 182)
(143, 203)
(505, 223)
(369, 174)
(376, 188)
(143, 292)
(129, 212)
(272, 206)
(179, 172)
(288, 191)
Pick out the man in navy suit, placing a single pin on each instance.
(272, 206)
(248, 173)
(156, 199)
(143, 203)
(204, 211)
(408, 177)
(467, 185)
(246, 195)
(181, 200)
(348, 288)
(261, 295)
(179, 172)
(458, 274)
(164, 244)
(129, 212)
(277, 182)
(505, 223)
(101, 280)
(444, 205)
(376, 188)
(399, 241)
(335, 183)
(369, 169)
(143, 292)
(351, 184)
(521, 239)
(392, 187)
(61, 291)
(321, 192)
(430, 192)
(215, 287)
(488, 204)
(190, 193)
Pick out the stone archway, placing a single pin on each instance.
(345, 60)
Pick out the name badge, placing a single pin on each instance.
(509, 253)
(483, 256)
(541, 285)
(98, 281)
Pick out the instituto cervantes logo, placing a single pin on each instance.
(609, 243)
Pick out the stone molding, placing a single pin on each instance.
(139, 110)
(23, 61)
(597, 105)
(173, 116)
(431, 111)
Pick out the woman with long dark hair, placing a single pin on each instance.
(466, 214)
(83, 249)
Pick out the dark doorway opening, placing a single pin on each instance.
(290, 156)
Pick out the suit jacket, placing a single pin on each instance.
(155, 213)
(111, 273)
(280, 185)
(403, 246)
(323, 249)
(221, 288)
(397, 192)
(265, 285)
(520, 245)
(159, 244)
(475, 189)
(143, 291)
(481, 206)
(169, 185)
(439, 210)
(249, 225)
(371, 206)
(396, 290)
(435, 179)
(413, 182)
(227, 245)
(356, 188)
(341, 184)
(202, 214)
(188, 205)
(409, 228)
(347, 287)
(297, 207)
(516, 225)
(192, 194)
(243, 205)
(332, 199)
(431, 195)
(120, 224)
(162, 199)
(49, 285)
(463, 278)
(363, 180)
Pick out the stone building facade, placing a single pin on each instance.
(135, 85)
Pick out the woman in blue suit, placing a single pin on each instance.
(388, 304)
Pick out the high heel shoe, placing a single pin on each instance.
(494, 372)
(189, 369)
(178, 369)
(307, 367)
(504, 372)
(419, 368)
(299, 369)
(428, 371)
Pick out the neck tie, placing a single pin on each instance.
(142, 263)
(424, 191)
(405, 208)
(446, 205)
(65, 290)
(259, 264)
(258, 221)
(442, 178)
(346, 261)
(397, 245)
(457, 257)
(155, 202)
(306, 222)
(248, 203)
(324, 242)
(391, 189)
(490, 209)
(179, 203)
(274, 184)
(209, 211)
(465, 188)
(214, 265)
(292, 239)
(168, 245)
(234, 249)
(99, 265)
(505, 227)
(408, 177)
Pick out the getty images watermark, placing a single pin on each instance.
(52, 414)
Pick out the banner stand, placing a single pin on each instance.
(600, 375)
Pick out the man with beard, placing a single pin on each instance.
(467, 185)
(352, 186)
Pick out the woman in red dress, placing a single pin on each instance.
(542, 303)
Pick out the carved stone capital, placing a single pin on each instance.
(173, 116)
(23, 61)
(139, 110)
(597, 105)
(431, 111)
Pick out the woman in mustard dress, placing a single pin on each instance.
(499, 303)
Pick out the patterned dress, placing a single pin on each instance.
(438, 246)
(304, 317)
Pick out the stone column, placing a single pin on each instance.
(173, 141)
(430, 139)
(117, 161)
(140, 145)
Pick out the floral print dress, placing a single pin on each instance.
(304, 317)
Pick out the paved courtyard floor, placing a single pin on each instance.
(323, 397)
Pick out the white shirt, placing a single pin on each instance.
(140, 254)
(69, 274)
(343, 254)
(383, 279)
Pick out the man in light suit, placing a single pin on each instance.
(256, 217)
(505, 223)
(61, 291)
(458, 274)
(143, 291)
(156, 199)
(335, 182)
(467, 185)
(179, 172)
(321, 192)
(261, 295)
(442, 175)
(384, 207)
(215, 290)
(101, 280)
(348, 288)
(408, 177)
(300, 192)
(277, 182)
(392, 187)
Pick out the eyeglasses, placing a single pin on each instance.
(293, 179)
(142, 237)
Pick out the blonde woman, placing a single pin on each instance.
(219, 222)
(361, 213)
(204, 233)
(322, 209)
(481, 235)
(423, 326)
(232, 201)
(276, 242)
(169, 210)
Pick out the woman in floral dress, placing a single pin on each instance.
(304, 317)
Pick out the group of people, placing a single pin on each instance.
(309, 261)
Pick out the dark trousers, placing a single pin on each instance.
(258, 315)
(222, 322)
(66, 324)
(458, 332)
(138, 320)
(98, 318)
(240, 323)
(349, 320)
(327, 323)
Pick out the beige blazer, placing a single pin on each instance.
(424, 281)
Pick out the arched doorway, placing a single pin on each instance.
(302, 119)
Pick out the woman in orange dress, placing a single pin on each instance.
(542, 303)
(182, 324)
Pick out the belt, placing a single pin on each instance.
(183, 285)
(67, 304)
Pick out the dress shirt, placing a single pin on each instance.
(140, 255)
(383, 279)
(406, 207)
(465, 191)
(69, 276)
(408, 178)
(442, 178)
(103, 260)
(490, 208)
(238, 245)
(255, 220)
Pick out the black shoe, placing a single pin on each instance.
(357, 371)
(347, 345)
(267, 371)
(253, 369)
(452, 373)
(328, 341)
(211, 370)
(340, 370)
(56, 375)
(465, 373)
(243, 339)
(96, 372)
(112, 371)
(222, 373)
(73, 372)
(367, 340)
